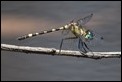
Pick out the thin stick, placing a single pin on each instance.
(53, 51)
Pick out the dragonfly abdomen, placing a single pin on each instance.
(43, 32)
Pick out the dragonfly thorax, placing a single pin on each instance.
(77, 30)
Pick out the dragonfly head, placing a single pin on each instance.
(89, 35)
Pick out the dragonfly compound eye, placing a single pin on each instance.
(89, 36)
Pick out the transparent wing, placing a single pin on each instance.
(65, 32)
(84, 20)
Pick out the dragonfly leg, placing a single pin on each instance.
(65, 39)
(88, 48)
(80, 47)
(84, 46)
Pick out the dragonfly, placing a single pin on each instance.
(77, 28)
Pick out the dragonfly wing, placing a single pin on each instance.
(84, 20)
(65, 32)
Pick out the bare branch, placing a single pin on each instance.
(53, 51)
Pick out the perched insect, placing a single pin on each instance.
(77, 29)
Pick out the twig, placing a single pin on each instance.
(53, 51)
